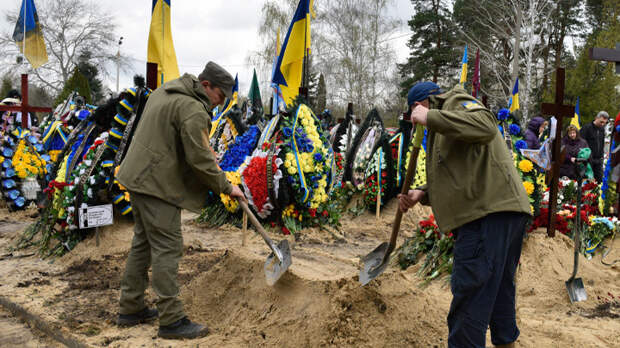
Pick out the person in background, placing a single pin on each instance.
(594, 134)
(572, 143)
(532, 134)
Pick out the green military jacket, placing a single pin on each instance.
(470, 172)
(169, 156)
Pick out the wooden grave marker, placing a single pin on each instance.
(24, 108)
(560, 111)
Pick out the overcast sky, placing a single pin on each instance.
(224, 31)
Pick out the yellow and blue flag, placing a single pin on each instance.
(161, 47)
(464, 67)
(513, 104)
(235, 90)
(28, 35)
(289, 65)
(575, 121)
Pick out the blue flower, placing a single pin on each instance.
(521, 145)
(503, 114)
(515, 129)
(501, 130)
(618, 128)
(243, 146)
(299, 130)
(318, 157)
(308, 147)
(287, 131)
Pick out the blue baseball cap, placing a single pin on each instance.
(421, 91)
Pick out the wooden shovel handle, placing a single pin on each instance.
(413, 159)
(256, 223)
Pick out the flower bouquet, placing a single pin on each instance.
(362, 148)
(380, 175)
(530, 174)
(437, 246)
(308, 162)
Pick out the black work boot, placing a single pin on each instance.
(183, 328)
(142, 316)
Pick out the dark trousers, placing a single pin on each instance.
(597, 169)
(486, 254)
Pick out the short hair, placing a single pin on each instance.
(14, 94)
(603, 114)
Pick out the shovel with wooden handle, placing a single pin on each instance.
(280, 259)
(376, 262)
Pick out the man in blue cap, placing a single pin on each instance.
(475, 191)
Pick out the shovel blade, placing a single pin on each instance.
(576, 290)
(274, 268)
(373, 264)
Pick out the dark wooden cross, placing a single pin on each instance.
(607, 55)
(559, 111)
(24, 108)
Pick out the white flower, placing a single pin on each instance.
(84, 205)
(89, 193)
(92, 180)
(88, 162)
(70, 209)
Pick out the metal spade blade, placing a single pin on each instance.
(275, 268)
(576, 290)
(373, 264)
(280, 258)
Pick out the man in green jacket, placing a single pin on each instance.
(475, 191)
(170, 166)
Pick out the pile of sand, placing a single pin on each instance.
(319, 302)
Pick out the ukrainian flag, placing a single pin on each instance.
(576, 118)
(514, 99)
(464, 67)
(235, 90)
(161, 48)
(289, 66)
(28, 35)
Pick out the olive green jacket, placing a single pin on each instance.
(169, 156)
(470, 172)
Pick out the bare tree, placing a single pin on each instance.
(356, 56)
(509, 31)
(275, 16)
(70, 28)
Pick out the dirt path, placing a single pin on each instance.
(14, 333)
(318, 303)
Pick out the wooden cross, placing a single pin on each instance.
(559, 111)
(607, 55)
(24, 108)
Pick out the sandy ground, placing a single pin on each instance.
(317, 303)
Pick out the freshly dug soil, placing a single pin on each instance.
(319, 302)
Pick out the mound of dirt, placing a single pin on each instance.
(233, 297)
(319, 302)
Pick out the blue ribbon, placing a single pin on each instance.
(302, 178)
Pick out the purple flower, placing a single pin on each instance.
(515, 129)
(318, 157)
(520, 144)
(287, 131)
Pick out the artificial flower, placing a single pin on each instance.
(526, 166)
(529, 187)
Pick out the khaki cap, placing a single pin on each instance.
(218, 77)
